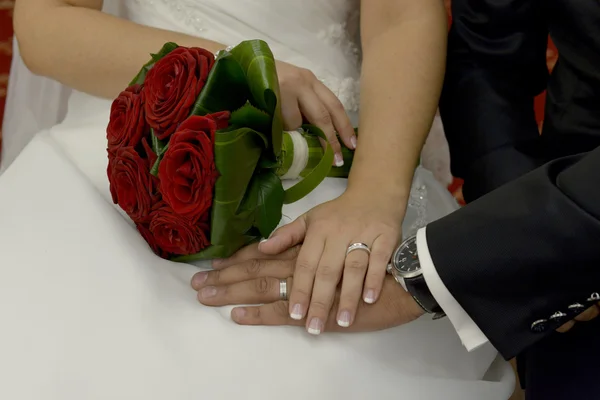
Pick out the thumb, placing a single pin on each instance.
(287, 236)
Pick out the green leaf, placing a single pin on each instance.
(247, 73)
(226, 87)
(217, 251)
(266, 197)
(159, 147)
(314, 177)
(252, 117)
(141, 76)
(258, 62)
(157, 144)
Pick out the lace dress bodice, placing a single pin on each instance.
(320, 35)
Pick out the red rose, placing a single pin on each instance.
(221, 118)
(127, 124)
(176, 234)
(187, 171)
(131, 184)
(144, 230)
(172, 87)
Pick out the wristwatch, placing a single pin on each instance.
(406, 269)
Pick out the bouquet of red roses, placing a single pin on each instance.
(197, 151)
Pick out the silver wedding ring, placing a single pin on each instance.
(358, 246)
(283, 293)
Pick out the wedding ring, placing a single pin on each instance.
(283, 294)
(358, 246)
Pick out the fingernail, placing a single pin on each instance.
(238, 313)
(199, 279)
(217, 261)
(353, 141)
(315, 326)
(339, 160)
(344, 319)
(262, 240)
(208, 292)
(296, 312)
(370, 296)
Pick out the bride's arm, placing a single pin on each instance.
(75, 43)
(404, 45)
(404, 48)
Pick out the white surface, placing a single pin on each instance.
(471, 336)
(88, 312)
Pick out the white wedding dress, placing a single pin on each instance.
(88, 312)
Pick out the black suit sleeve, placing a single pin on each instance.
(525, 251)
(496, 65)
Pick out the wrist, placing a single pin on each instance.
(394, 191)
(394, 187)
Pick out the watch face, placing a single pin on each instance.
(406, 259)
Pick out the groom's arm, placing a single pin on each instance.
(496, 65)
(527, 251)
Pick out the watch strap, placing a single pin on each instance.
(419, 290)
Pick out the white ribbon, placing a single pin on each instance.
(300, 156)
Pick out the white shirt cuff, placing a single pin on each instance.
(471, 336)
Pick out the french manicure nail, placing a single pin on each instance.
(339, 160)
(208, 292)
(344, 319)
(315, 326)
(353, 141)
(370, 296)
(263, 240)
(296, 312)
(199, 278)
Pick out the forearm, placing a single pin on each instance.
(527, 251)
(402, 74)
(86, 49)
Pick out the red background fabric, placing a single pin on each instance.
(6, 7)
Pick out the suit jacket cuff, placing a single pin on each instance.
(471, 336)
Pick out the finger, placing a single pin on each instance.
(304, 275)
(285, 237)
(316, 113)
(328, 275)
(254, 291)
(290, 112)
(246, 270)
(339, 116)
(245, 253)
(588, 314)
(566, 327)
(269, 314)
(251, 252)
(381, 253)
(355, 269)
(389, 312)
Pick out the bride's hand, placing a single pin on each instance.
(302, 94)
(326, 232)
(250, 277)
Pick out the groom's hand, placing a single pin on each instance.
(250, 278)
